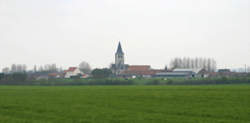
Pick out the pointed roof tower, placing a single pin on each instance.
(119, 49)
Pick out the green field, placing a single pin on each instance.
(125, 104)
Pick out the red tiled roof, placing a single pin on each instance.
(139, 68)
(150, 72)
(71, 69)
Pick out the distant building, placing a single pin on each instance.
(55, 75)
(229, 73)
(173, 75)
(224, 71)
(183, 73)
(198, 72)
(72, 72)
(42, 77)
(38, 76)
(141, 71)
(134, 71)
(119, 65)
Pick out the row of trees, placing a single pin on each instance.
(21, 68)
(19, 72)
(15, 68)
(47, 68)
(208, 64)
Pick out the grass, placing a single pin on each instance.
(125, 104)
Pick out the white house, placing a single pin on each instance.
(71, 72)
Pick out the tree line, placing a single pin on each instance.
(49, 68)
(208, 64)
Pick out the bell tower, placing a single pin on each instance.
(119, 59)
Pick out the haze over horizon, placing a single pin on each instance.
(152, 32)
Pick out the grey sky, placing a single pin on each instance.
(152, 32)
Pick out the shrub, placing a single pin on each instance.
(101, 73)
(1, 76)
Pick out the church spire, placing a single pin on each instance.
(119, 49)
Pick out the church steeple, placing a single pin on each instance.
(119, 49)
(119, 66)
(119, 59)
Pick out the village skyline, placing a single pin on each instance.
(189, 61)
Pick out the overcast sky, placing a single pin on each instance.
(152, 32)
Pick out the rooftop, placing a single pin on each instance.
(119, 49)
(139, 68)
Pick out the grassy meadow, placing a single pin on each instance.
(125, 104)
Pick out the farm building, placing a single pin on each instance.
(134, 71)
(144, 71)
(72, 72)
(183, 73)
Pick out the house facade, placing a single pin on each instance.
(72, 72)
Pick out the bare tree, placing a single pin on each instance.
(192, 63)
(41, 69)
(18, 68)
(6, 70)
(85, 67)
(35, 69)
(196, 64)
(13, 68)
(214, 65)
(49, 68)
(60, 69)
(208, 64)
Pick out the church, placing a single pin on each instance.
(119, 68)
(119, 65)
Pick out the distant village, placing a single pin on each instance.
(178, 68)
